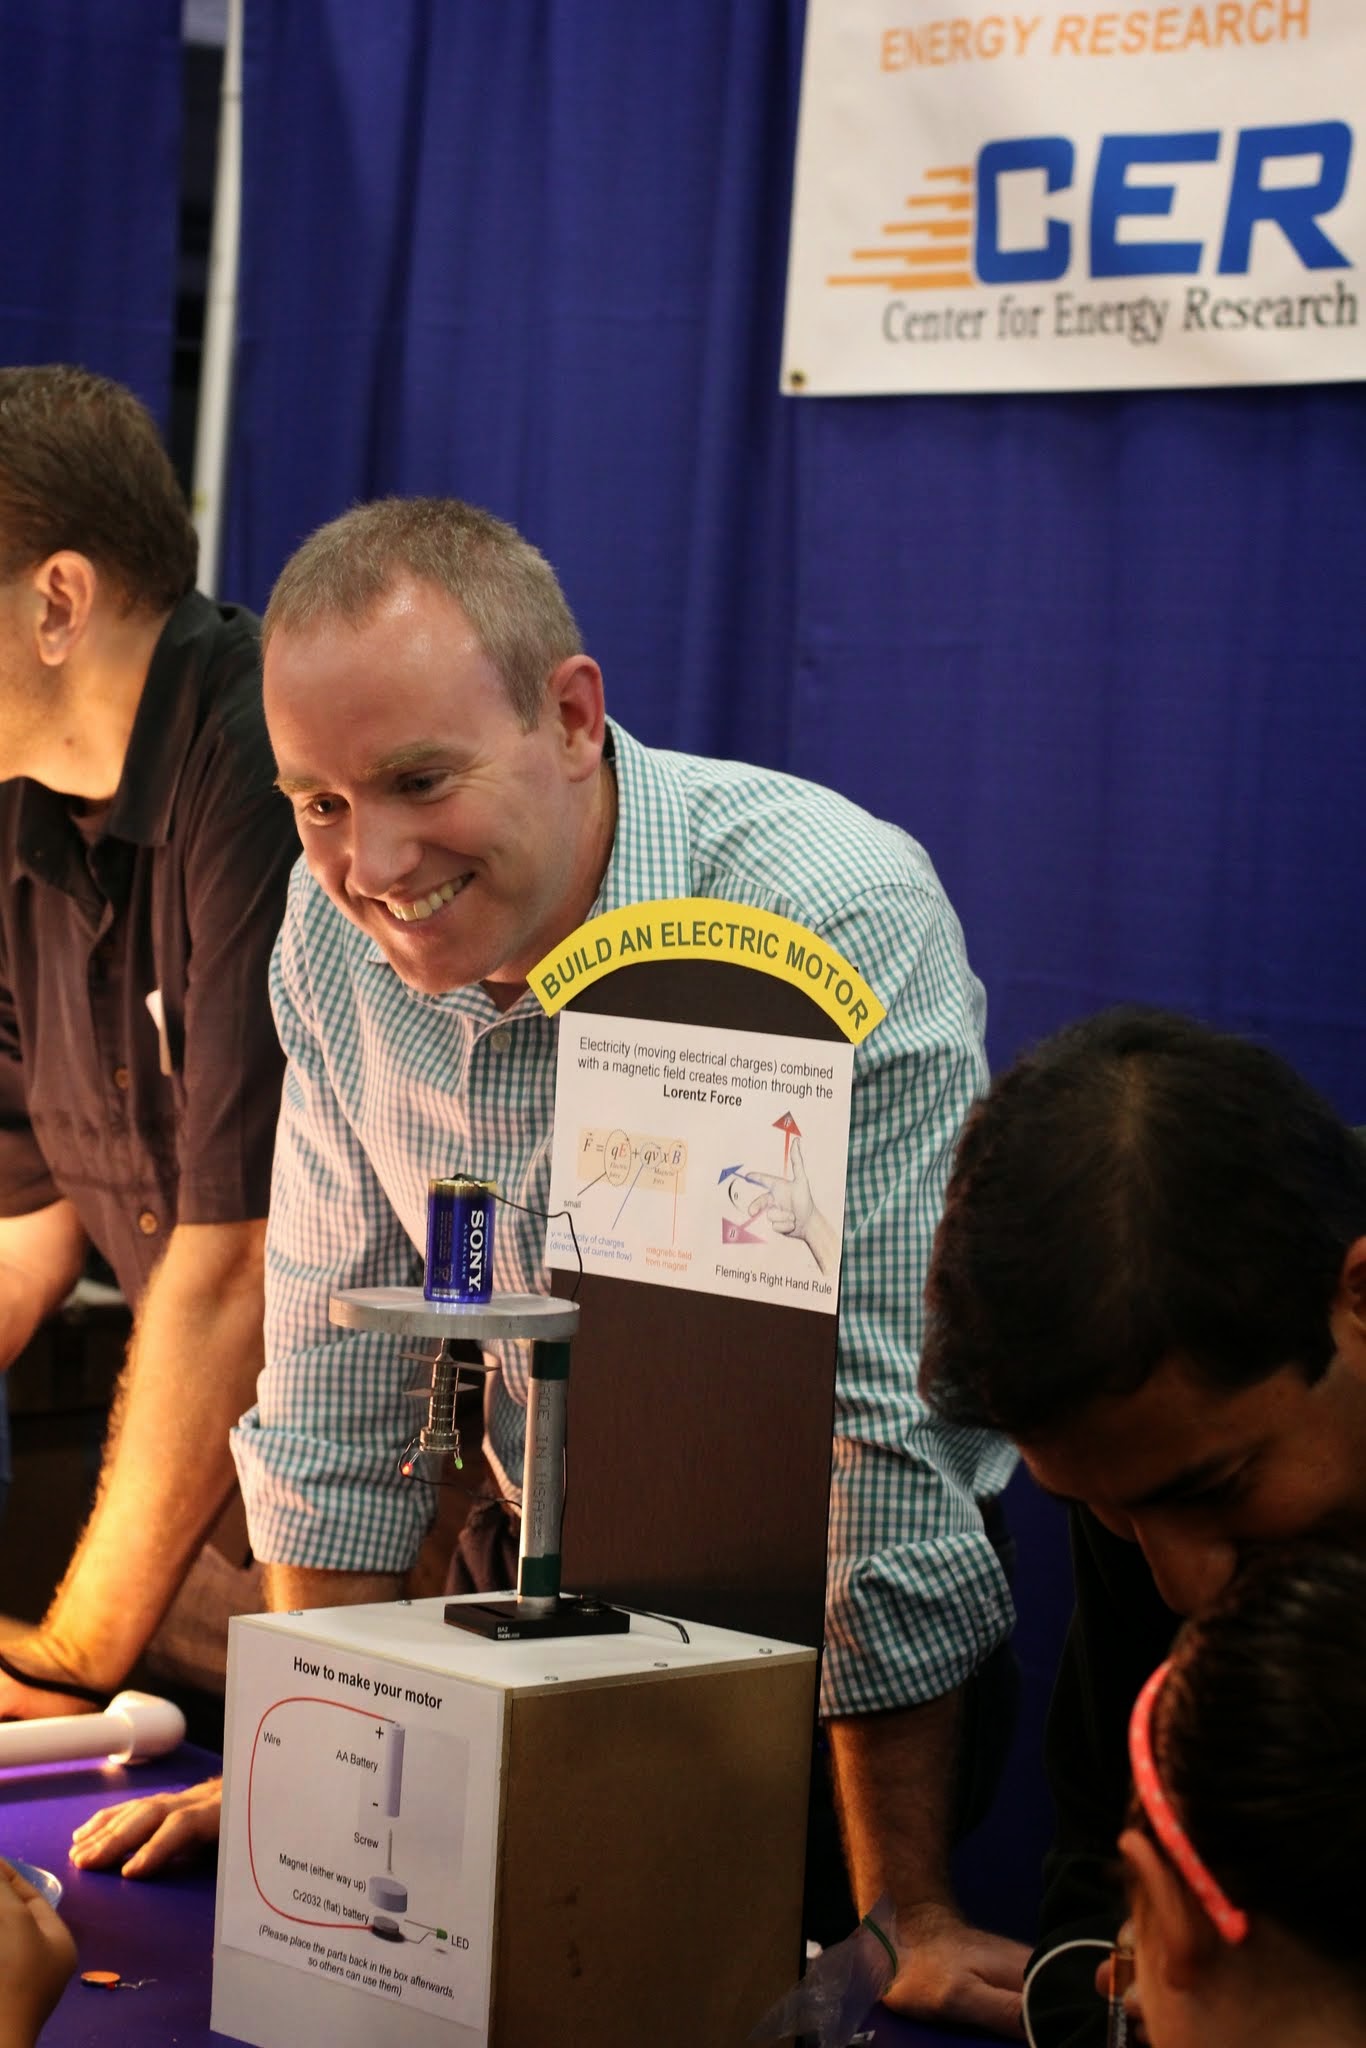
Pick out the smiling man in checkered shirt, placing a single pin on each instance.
(464, 805)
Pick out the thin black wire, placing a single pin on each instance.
(646, 1615)
(551, 1216)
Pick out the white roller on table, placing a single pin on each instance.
(133, 1726)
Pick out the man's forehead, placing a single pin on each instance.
(404, 604)
(1169, 1438)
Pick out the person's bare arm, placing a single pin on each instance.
(894, 1778)
(141, 1836)
(41, 1256)
(191, 1370)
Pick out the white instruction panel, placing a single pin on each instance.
(700, 1158)
(360, 1823)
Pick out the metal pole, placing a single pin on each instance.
(220, 316)
(538, 1562)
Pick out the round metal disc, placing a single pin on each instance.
(406, 1311)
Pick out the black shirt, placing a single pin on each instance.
(1120, 1633)
(145, 1114)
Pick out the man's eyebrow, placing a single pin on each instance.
(414, 756)
(1192, 1480)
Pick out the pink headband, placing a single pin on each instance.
(1230, 1920)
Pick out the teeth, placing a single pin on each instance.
(423, 906)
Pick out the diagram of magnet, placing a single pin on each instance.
(388, 1894)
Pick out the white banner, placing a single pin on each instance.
(1063, 198)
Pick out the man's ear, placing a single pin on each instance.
(1177, 1937)
(64, 586)
(1350, 1299)
(574, 699)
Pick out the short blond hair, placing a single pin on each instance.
(505, 587)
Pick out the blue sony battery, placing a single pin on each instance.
(459, 1240)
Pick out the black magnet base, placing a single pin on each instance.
(503, 1621)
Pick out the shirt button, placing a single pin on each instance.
(147, 1223)
(500, 1040)
(121, 1077)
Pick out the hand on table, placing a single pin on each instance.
(37, 1955)
(38, 1655)
(150, 1833)
(958, 1973)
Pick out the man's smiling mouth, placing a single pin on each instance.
(415, 910)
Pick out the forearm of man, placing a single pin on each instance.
(41, 1256)
(191, 1371)
(895, 1778)
(290, 1586)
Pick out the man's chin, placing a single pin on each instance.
(430, 969)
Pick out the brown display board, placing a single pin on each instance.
(700, 1426)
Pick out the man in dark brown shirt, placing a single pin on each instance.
(143, 859)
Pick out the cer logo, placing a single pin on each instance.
(1259, 190)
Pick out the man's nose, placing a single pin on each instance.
(1190, 1569)
(385, 854)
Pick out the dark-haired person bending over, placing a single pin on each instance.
(1248, 1838)
(144, 854)
(1151, 1273)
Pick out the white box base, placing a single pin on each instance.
(434, 1839)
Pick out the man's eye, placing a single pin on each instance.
(1220, 1493)
(422, 782)
(320, 809)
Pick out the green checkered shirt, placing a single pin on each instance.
(383, 1080)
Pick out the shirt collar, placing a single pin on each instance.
(163, 728)
(651, 850)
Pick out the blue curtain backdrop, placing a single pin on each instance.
(90, 116)
(1102, 654)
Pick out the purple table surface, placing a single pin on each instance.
(163, 1929)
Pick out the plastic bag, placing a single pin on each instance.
(841, 1987)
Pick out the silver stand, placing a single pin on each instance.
(460, 1329)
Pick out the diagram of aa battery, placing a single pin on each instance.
(343, 1828)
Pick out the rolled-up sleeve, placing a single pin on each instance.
(318, 1455)
(916, 1597)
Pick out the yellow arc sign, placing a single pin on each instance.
(701, 928)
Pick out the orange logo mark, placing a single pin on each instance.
(936, 251)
